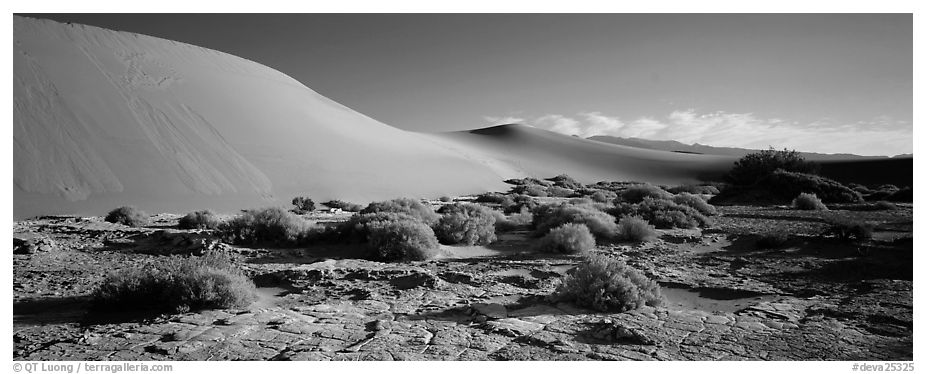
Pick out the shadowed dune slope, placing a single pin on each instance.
(532, 151)
(104, 118)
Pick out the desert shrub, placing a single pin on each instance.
(607, 285)
(565, 181)
(343, 205)
(178, 284)
(530, 190)
(752, 167)
(696, 202)
(465, 223)
(358, 227)
(664, 214)
(859, 188)
(557, 191)
(492, 198)
(902, 195)
(549, 216)
(772, 240)
(636, 194)
(513, 221)
(568, 238)
(529, 181)
(403, 240)
(303, 205)
(849, 229)
(520, 203)
(127, 215)
(635, 229)
(698, 189)
(200, 219)
(603, 196)
(807, 201)
(884, 205)
(411, 207)
(445, 199)
(267, 226)
(780, 187)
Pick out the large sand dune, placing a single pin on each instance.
(105, 118)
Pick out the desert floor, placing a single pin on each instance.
(814, 299)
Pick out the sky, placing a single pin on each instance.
(831, 83)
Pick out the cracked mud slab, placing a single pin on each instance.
(811, 300)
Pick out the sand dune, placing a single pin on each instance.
(531, 151)
(105, 118)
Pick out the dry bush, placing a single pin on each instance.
(552, 215)
(696, 202)
(200, 219)
(753, 167)
(772, 240)
(403, 240)
(635, 229)
(343, 205)
(303, 205)
(408, 206)
(664, 214)
(565, 181)
(465, 223)
(808, 201)
(179, 284)
(127, 215)
(635, 194)
(569, 238)
(844, 228)
(268, 226)
(607, 285)
(603, 196)
(697, 189)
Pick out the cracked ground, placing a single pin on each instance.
(815, 298)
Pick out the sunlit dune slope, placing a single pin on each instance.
(104, 118)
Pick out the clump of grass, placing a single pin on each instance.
(268, 226)
(178, 284)
(807, 201)
(408, 206)
(608, 285)
(601, 224)
(569, 238)
(200, 219)
(445, 199)
(127, 215)
(696, 202)
(465, 223)
(635, 229)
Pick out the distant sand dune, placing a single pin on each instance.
(105, 118)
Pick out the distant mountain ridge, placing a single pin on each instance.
(675, 146)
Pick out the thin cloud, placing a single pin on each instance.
(878, 136)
